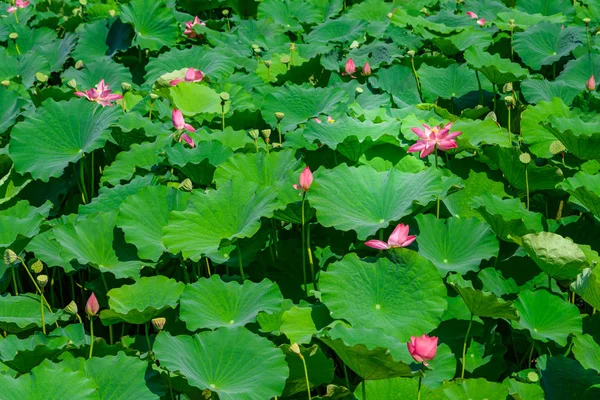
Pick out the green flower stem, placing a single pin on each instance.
(587, 35)
(110, 331)
(14, 277)
(39, 291)
(479, 85)
(279, 131)
(495, 95)
(412, 64)
(241, 263)
(346, 376)
(509, 137)
(223, 115)
(207, 267)
(306, 375)
(91, 336)
(437, 214)
(419, 388)
(171, 386)
(43, 321)
(464, 353)
(364, 390)
(92, 173)
(79, 318)
(304, 248)
(310, 258)
(146, 328)
(82, 180)
(527, 185)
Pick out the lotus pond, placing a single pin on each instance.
(299, 199)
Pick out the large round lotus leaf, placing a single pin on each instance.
(320, 369)
(578, 71)
(545, 43)
(547, 317)
(337, 30)
(507, 217)
(232, 211)
(212, 303)
(24, 354)
(364, 200)
(565, 378)
(404, 299)
(398, 81)
(113, 73)
(142, 301)
(144, 229)
(521, 391)
(234, 363)
(90, 241)
(70, 129)
(557, 256)
(579, 137)
(110, 199)
(587, 286)
(300, 103)
(451, 82)
(437, 242)
(476, 133)
(585, 191)
(395, 389)
(49, 381)
(475, 389)
(586, 351)
(20, 313)
(193, 98)
(535, 135)
(289, 14)
(481, 303)
(21, 220)
(367, 352)
(153, 22)
(297, 324)
(537, 90)
(478, 183)
(498, 70)
(91, 41)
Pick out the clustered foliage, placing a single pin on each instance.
(327, 199)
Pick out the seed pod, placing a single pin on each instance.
(10, 257)
(153, 96)
(268, 63)
(266, 133)
(13, 35)
(557, 147)
(72, 83)
(411, 53)
(186, 185)
(285, 59)
(37, 266)
(224, 96)
(253, 134)
(295, 348)
(586, 21)
(525, 158)
(279, 116)
(41, 77)
(126, 86)
(79, 64)
(225, 12)
(42, 280)
(71, 308)
(159, 323)
(510, 101)
(5, 83)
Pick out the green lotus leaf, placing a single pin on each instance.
(565, 378)
(11, 185)
(339, 30)
(398, 81)
(21, 313)
(289, 14)
(211, 303)
(451, 82)
(584, 190)
(547, 317)
(546, 43)
(24, 354)
(144, 300)
(545, 7)
(234, 363)
(475, 133)
(498, 70)
(21, 220)
(233, 211)
(480, 303)
(507, 217)
(557, 256)
(278, 171)
(320, 366)
(70, 129)
(578, 71)
(586, 351)
(535, 135)
(523, 391)
(579, 137)
(541, 90)
(300, 103)
(89, 76)
(271, 323)
(369, 357)
(587, 286)
(118, 377)
(153, 22)
(364, 200)
(478, 183)
(394, 389)
(110, 199)
(437, 243)
(92, 241)
(405, 18)
(199, 163)
(475, 389)
(404, 299)
(144, 230)
(140, 156)
(50, 382)
(297, 324)
(193, 98)
(10, 107)
(486, 358)
(91, 41)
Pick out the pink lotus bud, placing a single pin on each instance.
(366, 69)
(422, 348)
(481, 22)
(304, 181)
(330, 120)
(591, 84)
(350, 67)
(92, 307)
(472, 14)
(177, 119)
(317, 120)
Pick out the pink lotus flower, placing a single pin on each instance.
(398, 238)
(179, 124)
(591, 84)
(189, 27)
(317, 120)
(191, 75)
(423, 348)
(92, 307)
(100, 94)
(350, 68)
(304, 181)
(366, 69)
(18, 4)
(434, 138)
(330, 120)
(481, 22)
(471, 14)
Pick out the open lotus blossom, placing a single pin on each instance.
(434, 138)
(304, 181)
(480, 21)
(366, 69)
(100, 94)
(191, 75)
(91, 306)
(329, 120)
(189, 27)
(423, 348)
(591, 84)
(350, 68)
(398, 238)
(179, 124)
(18, 4)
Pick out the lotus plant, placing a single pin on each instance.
(101, 94)
(91, 308)
(304, 182)
(366, 69)
(432, 139)
(398, 238)
(189, 28)
(191, 75)
(18, 4)
(350, 68)
(180, 125)
(480, 21)
(591, 84)
(422, 349)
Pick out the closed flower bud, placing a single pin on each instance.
(42, 280)
(159, 323)
(92, 307)
(37, 266)
(366, 69)
(10, 257)
(295, 348)
(508, 87)
(79, 64)
(71, 308)
(350, 67)
(423, 348)
(279, 116)
(591, 83)
(253, 134)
